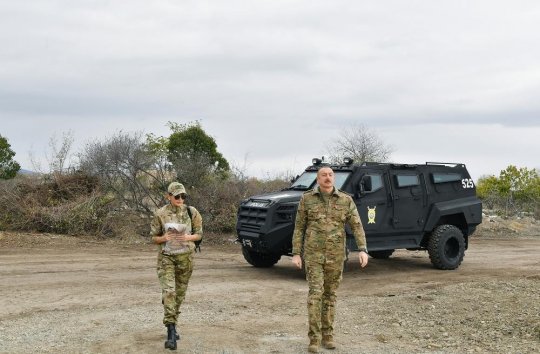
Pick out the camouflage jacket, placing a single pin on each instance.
(320, 224)
(170, 213)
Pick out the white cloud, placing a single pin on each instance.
(277, 79)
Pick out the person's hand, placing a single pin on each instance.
(363, 257)
(184, 237)
(297, 261)
(167, 236)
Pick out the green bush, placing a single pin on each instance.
(515, 190)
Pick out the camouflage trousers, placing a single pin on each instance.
(173, 273)
(324, 276)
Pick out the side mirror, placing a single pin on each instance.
(365, 184)
(295, 178)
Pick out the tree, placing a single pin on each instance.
(487, 186)
(8, 166)
(194, 154)
(515, 189)
(361, 144)
(129, 168)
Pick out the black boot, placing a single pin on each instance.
(171, 337)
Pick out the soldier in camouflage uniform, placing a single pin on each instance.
(320, 233)
(175, 257)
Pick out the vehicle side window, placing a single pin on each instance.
(445, 177)
(407, 181)
(376, 183)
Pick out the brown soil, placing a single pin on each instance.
(61, 294)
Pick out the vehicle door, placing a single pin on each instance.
(408, 194)
(373, 202)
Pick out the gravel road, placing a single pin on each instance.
(61, 294)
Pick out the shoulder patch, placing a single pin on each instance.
(308, 191)
(343, 192)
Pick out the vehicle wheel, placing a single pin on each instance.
(446, 247)
(381, 254)
(260, 260)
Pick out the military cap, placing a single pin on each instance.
(176, 188)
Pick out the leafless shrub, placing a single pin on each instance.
(361, 144)
(10, 202)
(57, 155)
(126, 225)
(219, 200)
(69, 204)
(126, 168)
(60, 152)
(507, 206)
(82, 216)
(118, 184)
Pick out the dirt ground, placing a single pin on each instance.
(62, 294)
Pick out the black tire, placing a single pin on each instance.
(260, 260)
(446, 247)
(385, 254)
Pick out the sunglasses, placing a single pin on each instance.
(177, 197)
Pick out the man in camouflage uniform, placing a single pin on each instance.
(175, 263)
(320, 232)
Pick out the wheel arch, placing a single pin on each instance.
(455, 213)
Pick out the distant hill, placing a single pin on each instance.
(22, 171)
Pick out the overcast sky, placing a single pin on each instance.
(274, 81)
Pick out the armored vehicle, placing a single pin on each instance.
(431, 206)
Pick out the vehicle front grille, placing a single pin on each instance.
(252, 218)
(285, 214)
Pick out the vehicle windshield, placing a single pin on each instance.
(309, 180)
